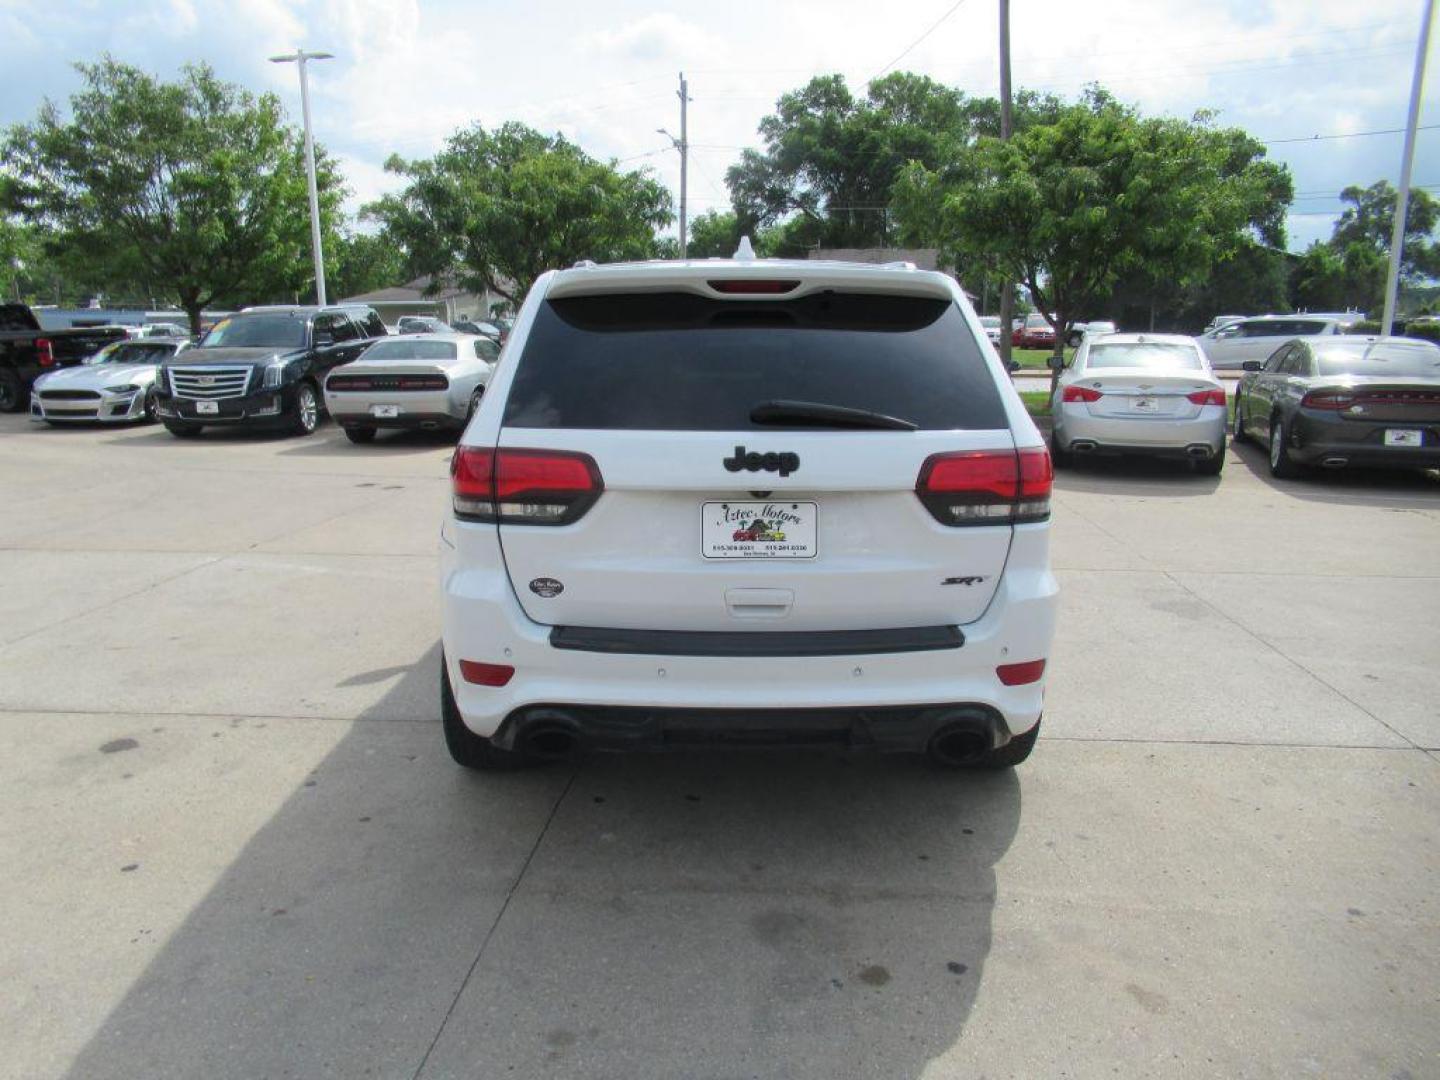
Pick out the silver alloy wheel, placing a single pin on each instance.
(309, 411)
(1277, 442)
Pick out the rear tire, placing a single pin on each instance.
(1282, 465)
(1059, 456)
(12, 391)
(1211, 466)
(360, 434)
(1239, 424)
(1012, 753)
(466, 748)
(183, 431)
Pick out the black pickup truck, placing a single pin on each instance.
(27, 352)
(262, 367)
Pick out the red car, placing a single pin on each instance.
(1035, 334)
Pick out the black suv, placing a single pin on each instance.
(263, 368)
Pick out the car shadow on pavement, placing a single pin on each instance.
(712, 914)
(387, 443)
(1403, 488)
(1133, 475)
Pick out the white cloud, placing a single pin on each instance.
(662, 36)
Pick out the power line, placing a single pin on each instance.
(1346, 135)
(906, 51)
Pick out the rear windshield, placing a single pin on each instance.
(411, 350)
(680, 362)
(1148, 355)
(1403, 362)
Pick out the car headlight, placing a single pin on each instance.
(274, 375)
(128, 388)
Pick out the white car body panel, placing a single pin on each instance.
(1229, 346)
(102, 403)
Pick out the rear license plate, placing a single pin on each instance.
(1404, 437)
(758, 530)
(1143, 404)
(385, 412)
(207, 408)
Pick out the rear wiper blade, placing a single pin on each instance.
(822, 415)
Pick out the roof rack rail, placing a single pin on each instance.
(899, 264)
(584, 264)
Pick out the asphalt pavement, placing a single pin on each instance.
(234, 845)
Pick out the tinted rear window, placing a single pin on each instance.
(391, 349)
(1400, 362)
(679, 362)
(1153, 354)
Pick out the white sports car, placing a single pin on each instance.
(116, 385)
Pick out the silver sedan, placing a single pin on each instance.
(1143, 394)
(428, 381)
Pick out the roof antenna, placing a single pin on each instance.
(744, 253)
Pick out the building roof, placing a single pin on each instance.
(412, 291)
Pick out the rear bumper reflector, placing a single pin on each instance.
(757, 643)
(1020, 674)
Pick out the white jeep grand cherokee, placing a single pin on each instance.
(748, 501)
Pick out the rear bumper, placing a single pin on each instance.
(1142, 435)
(417, 409)
(893, 701)
(1327, 439)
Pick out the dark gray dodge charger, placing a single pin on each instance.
(1338, 401)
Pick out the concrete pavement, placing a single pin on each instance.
(236, 848)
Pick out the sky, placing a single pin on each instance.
(407, 73)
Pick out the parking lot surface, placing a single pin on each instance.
(234, 845)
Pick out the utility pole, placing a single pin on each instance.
(300, 57)
(1402, 197)
(1007, 287)
(683, 145)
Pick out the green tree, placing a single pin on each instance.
(1369, 219)
(358, 262)
(495, 210)
(194, 188)
(1073, 203)
(714, 234)
(832, 157)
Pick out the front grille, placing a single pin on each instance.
(209, 383)
(68, 395)
(344, 383)
(72, 413)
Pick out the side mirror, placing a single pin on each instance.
(324, 339)
(1252, 365)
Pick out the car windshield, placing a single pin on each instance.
(1394, 361)
(1149, 354)
(990, 321)
(257, 331)
(1036, 322)
(411, 350)
(134, 352)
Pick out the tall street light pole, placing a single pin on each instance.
(1007, 287)
(300, 58)
(1402, 197)
(683, 145)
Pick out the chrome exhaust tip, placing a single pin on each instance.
(1199, 451)
(1335, 462)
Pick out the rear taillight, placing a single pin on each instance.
(1208, 397)
(987, 487)
(45, 351)
(1019, 674)
(523, 487)
(1080, 393)
(1327, 400)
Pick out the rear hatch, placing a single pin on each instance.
(738, 491)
